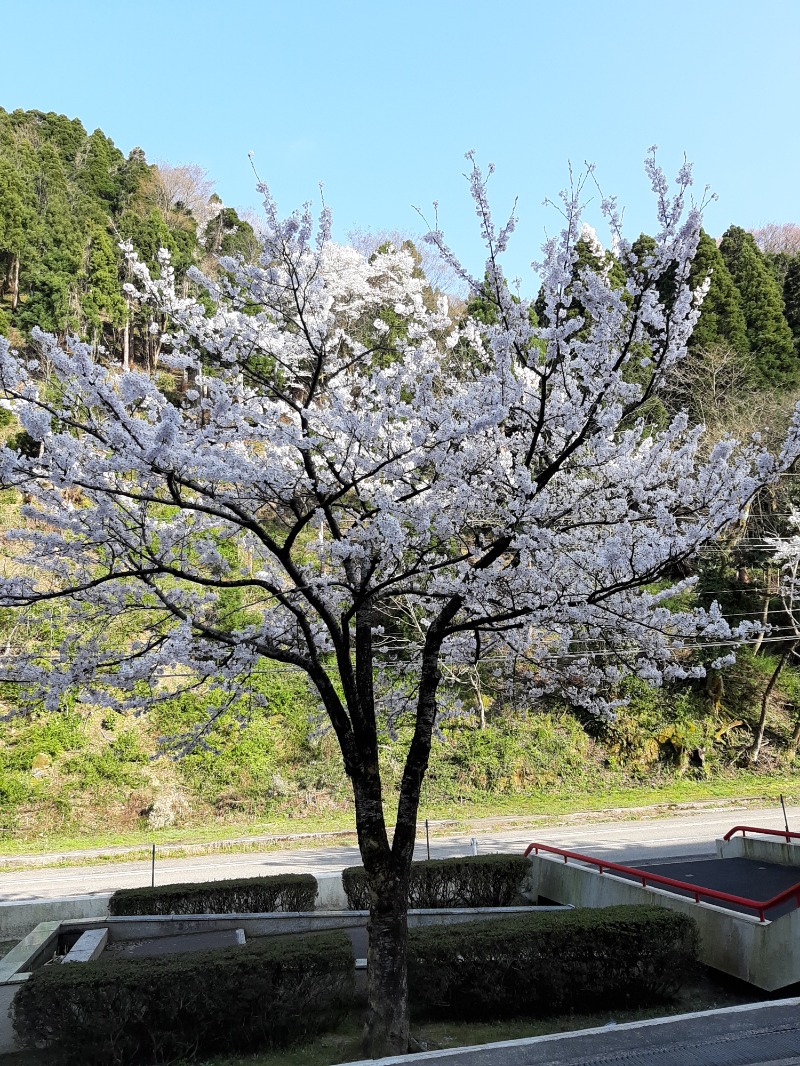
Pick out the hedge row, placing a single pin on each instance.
(153, 1010)
(551, 962)
(244, 895)
(472, 881)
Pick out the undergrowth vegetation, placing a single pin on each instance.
(85, 769)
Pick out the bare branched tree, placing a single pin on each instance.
(185, 187)
(776, 237)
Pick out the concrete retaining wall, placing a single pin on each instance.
(763, 849)
(17, 919)
(275, 924)
(767, 954)
(8, 1042)
(33, 950)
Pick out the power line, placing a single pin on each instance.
(731, 643)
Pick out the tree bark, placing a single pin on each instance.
(387, 1026)
(388, 869)
(126, 338)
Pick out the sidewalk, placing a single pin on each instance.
(760, 1034)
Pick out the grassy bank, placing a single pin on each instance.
(446, 819)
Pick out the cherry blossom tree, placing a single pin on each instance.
(366, 452)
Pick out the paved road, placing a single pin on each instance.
(623, 840)
(755, 1035)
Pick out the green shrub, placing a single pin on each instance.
(551, 962)
(513, 754)
(243, 895)
(126, 748)
(472, 881)
(15, 789)
(49, 734)
(24, 443)
(127, 1011)
(103, 769)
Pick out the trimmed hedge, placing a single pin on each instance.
(144, 1010)
(471, 881)
(243, 895)
(552, 962)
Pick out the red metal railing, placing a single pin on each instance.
(757, 905)
(745, 829)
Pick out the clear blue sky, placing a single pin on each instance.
(380, 100)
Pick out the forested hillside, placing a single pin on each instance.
(68, 201)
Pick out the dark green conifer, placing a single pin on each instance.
(768, 333)
(721, 319)
(791, 300)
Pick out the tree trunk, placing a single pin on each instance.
(764, 614)
(795, 737)
(755, 750)
(388, 868)
(387, 1029)
(126, 347)
(14, 282)
(126, 338)
(386, 1025)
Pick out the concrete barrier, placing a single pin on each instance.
(330, 893)
(18, 918)
(762, 849)
(88, 947)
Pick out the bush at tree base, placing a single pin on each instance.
(551, 962)
(244, 895)
(471, 881)
(155, 1010)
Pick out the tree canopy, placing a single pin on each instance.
(517, 508)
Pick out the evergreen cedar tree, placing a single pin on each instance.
(495, 478)
(768, 335)
(791, 301)
(67, 200)
(722, 321)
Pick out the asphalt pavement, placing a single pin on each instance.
(620, 838)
